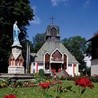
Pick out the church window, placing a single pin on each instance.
(57, 56)
(65, 61)
(47, 60)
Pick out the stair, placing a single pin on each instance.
(62, 73)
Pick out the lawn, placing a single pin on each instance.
(55, 91)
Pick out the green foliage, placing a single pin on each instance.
(37, 46)
(3, 83)
(39, 37)
(10, 11)
(77, 46)
(41, 73)
(38, 41)
(94, 79)
(89, 50)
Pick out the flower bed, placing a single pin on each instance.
(79, 88)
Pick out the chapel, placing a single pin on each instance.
(53, 56)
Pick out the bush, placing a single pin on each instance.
(41, 73)
(94, 79)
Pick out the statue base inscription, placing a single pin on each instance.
(15, 70)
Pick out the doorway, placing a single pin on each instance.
(56, 67)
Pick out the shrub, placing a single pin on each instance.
(3, 83)
(94, 79)
(41, 73)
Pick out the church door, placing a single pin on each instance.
(56, 67)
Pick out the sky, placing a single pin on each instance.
(74, 17)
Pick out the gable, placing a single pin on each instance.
(50, 46)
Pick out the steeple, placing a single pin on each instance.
(52, 32)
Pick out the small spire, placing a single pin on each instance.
(52, 19)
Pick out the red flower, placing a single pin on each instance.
(10, 96)
(44, 85)
(84, 82)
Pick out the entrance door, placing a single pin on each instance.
(56, 67)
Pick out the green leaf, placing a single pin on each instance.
(48, 96)
(83, 91)
(69, 88)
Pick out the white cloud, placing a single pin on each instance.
(56, 2)
(36, 18)
(86, 4)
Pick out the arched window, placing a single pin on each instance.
(65, 62)
(47, 60)
(57, 56)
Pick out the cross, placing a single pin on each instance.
(52, 18)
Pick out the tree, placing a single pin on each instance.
(77, 46)
(10, 11)
(38, 41)
(89, 49)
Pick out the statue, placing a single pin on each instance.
(16, 32)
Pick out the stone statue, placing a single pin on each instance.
(16, 32)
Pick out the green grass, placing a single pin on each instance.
(38, 92)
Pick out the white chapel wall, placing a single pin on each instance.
(94, 67)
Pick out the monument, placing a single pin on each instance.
(16, 60)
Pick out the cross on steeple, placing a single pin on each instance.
(52, 18)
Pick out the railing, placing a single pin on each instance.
(66, 74)
(56, 59)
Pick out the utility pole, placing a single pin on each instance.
(27, 58)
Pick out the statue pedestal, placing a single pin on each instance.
(16, 60)
(16, 70)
